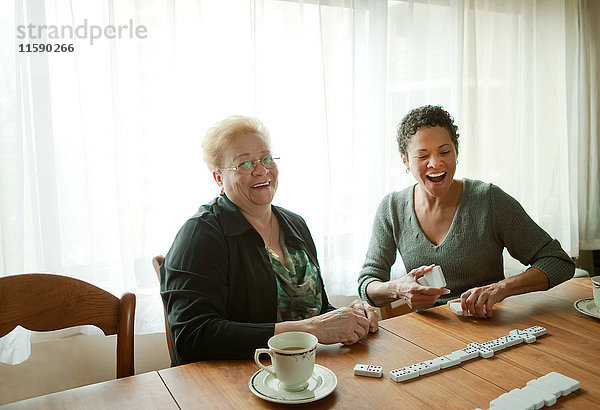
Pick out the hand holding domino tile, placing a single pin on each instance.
(433, 278)
(456, 307)
(477, 301)
(430, 277)
(419, 288)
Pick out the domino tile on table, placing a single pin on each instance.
(368, 370)
(537, 393)
(473, 350)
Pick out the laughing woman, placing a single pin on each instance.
(241, 269)
(461, 225)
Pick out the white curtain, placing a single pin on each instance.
(583, 112)
(101, 159)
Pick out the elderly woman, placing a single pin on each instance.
(241, 270)
(461, 225)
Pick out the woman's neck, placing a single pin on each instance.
(450, 199)
(259, 218)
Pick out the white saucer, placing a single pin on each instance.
(588, 307)
(321, 383)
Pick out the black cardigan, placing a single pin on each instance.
(217, 284)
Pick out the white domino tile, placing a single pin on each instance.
(526, 336)
(434, 278)
(564, 385)
(400, 375)
(486, 350)
(517, 402)
(502, 405)
(431, 367)
(456, 308)
(510, 340)
(437, 278)
(495, 345)
(574, 383)
(368, 370)
(549, 398)
(467, 353)
(536, 330)
(501, 402)
(540, 392)
(447, 361)
(537, 401)
(423, 368)
(545, 387)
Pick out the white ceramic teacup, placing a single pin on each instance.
(596, 285)
(293, 357)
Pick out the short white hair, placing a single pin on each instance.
(222, 133)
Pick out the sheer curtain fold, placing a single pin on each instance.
(514, 107)
(584, 110)
(101, 159)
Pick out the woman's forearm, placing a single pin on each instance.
(533, 279)
(382, 293)
(294, 326)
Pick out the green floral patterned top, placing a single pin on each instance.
(298, 289)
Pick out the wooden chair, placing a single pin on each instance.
(44, 302)
(156, 262)
(394, 309)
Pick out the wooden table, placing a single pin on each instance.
(143, 391)
(571, 347)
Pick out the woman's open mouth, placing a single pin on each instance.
(265, 184)
(436, 177)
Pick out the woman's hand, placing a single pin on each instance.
(479, 301)
(416, 295)
(369, 312)
(345, 325)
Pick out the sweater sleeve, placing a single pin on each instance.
(526, 240)
(194, 290)
(381, 254)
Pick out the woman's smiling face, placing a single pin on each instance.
(431, 157)
(255, 189)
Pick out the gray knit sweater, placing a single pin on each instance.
(487, 220)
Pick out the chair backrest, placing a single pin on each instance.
(156, 262)
(44, 302)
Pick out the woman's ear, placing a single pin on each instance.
(405, 161)
(218, 178)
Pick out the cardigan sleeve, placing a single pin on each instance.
(526, 240)
(194, 290)
(381, 253)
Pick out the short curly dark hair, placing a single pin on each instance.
(425, 116)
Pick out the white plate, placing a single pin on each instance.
(321, 383)
(588, 307)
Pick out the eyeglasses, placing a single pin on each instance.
(248, 167)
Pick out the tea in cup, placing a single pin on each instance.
(293, 358)
(596, 286)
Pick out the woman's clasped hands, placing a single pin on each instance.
(346, 325)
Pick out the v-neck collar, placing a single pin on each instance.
(455, 218)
